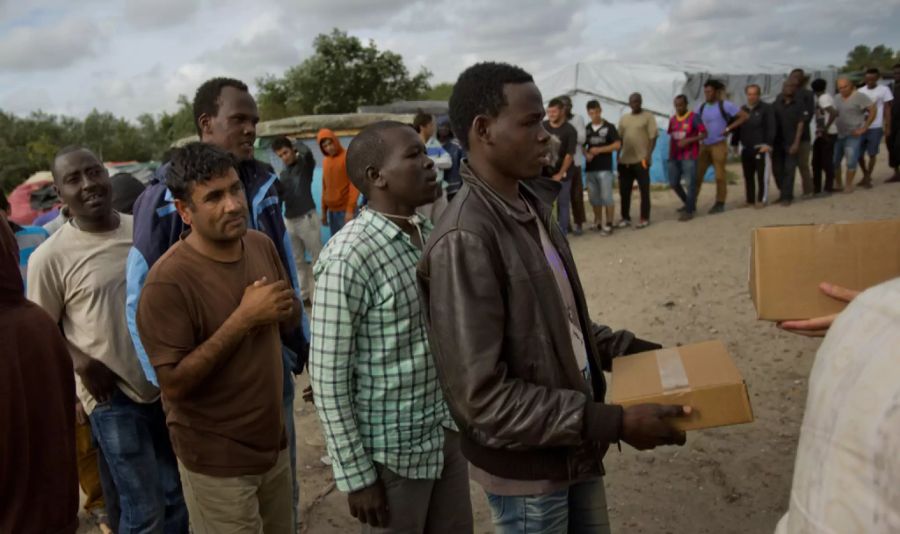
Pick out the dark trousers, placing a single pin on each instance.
(785, 170)
(823, 162)
(754, 164)
(628, 174)
(893, 143)
(577, 195)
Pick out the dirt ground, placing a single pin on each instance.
(675, 283)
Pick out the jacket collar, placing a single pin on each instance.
(531, 193)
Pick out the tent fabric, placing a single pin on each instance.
(21, 211)
(612, 82)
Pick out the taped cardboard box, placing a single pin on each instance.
(787, 264)
(701, 375)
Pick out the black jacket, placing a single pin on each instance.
(760, 127)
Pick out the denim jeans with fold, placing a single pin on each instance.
(580, 509)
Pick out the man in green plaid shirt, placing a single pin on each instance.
(391, 440)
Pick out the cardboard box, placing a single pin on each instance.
(787, 264)
(702, 376)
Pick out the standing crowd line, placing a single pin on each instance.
(449, 337)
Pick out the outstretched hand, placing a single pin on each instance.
(818, 326)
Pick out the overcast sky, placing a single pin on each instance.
(135, 56)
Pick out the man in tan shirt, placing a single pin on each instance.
(638, 131)
(78, 277)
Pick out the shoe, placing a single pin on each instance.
(643, 224)
(624, 223)
(682, 209)
(866, 185)
(893, 179)
(823, 194)
(606, 230)
(718, 207)
(686, 217)
(786, 202)
(577, 230)
(807, 195)
(837, 190)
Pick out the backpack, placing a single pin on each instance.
(735, 135)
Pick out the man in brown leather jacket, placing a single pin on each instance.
(519, 360)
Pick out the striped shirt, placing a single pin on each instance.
(376, 388)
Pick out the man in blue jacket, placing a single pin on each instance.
(225, 115)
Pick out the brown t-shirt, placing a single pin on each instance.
(232, 424)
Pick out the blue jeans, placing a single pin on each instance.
(871, 141)
(564, 205)
(134, 440)
(686, 169)
(580, 509)
(849, 147)
(287, 399)
(336, 220)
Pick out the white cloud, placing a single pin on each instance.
(32, 48)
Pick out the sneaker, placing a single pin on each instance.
(624, 223)
(606, 230)
(643, 224)
(686, 217)
(718, 207)
(786, 202)
(577, 230)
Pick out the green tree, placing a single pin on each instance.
(341, 75)
(862, 57)
(441, 91)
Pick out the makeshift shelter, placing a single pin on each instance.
(21, 210)
(434, 107)
(612, 82)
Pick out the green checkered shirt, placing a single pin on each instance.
(376, 388)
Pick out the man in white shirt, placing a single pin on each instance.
(847, 472)
(78, 277)
(880, 127)
(826, 135)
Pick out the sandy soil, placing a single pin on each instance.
(676, 283)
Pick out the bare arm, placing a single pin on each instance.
(742, 117)
(832, 116)
(608, 149)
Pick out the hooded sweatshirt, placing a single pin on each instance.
(38, 478)
(338, 194)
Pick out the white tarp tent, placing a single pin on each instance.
(612, 82)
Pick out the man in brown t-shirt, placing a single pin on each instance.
(211, 316)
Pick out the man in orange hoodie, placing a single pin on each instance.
(339, 196)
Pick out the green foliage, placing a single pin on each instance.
(862, 57)
(341, 75)
(27, 144)
(441, 91)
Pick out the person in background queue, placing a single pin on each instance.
(791, 118)
(720, 117)
(826, 134)
(757, 140)
(426, 127)
(577, 190)
(880, 128)
(78, 277)
(38, 476)
(639, 134)
(339, 196)
(807, 100)
(855, 113)
(893, 139)
(685, 131)
(557, 124)
(520, 362)
(299, 208)
(457, 154)
(211, 317)
(393, 445)
(225, 115)
(601, 142)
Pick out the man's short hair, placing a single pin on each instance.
(682, 97)
(479, 91)
(594, 104)
(819, 85)
(65, 151)
(281, 142)
(715, 84)
(422, 120)
(556, 103)
(206, 100)
(753, 86)
(368, 149)
(873, 70)
(196, 163)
